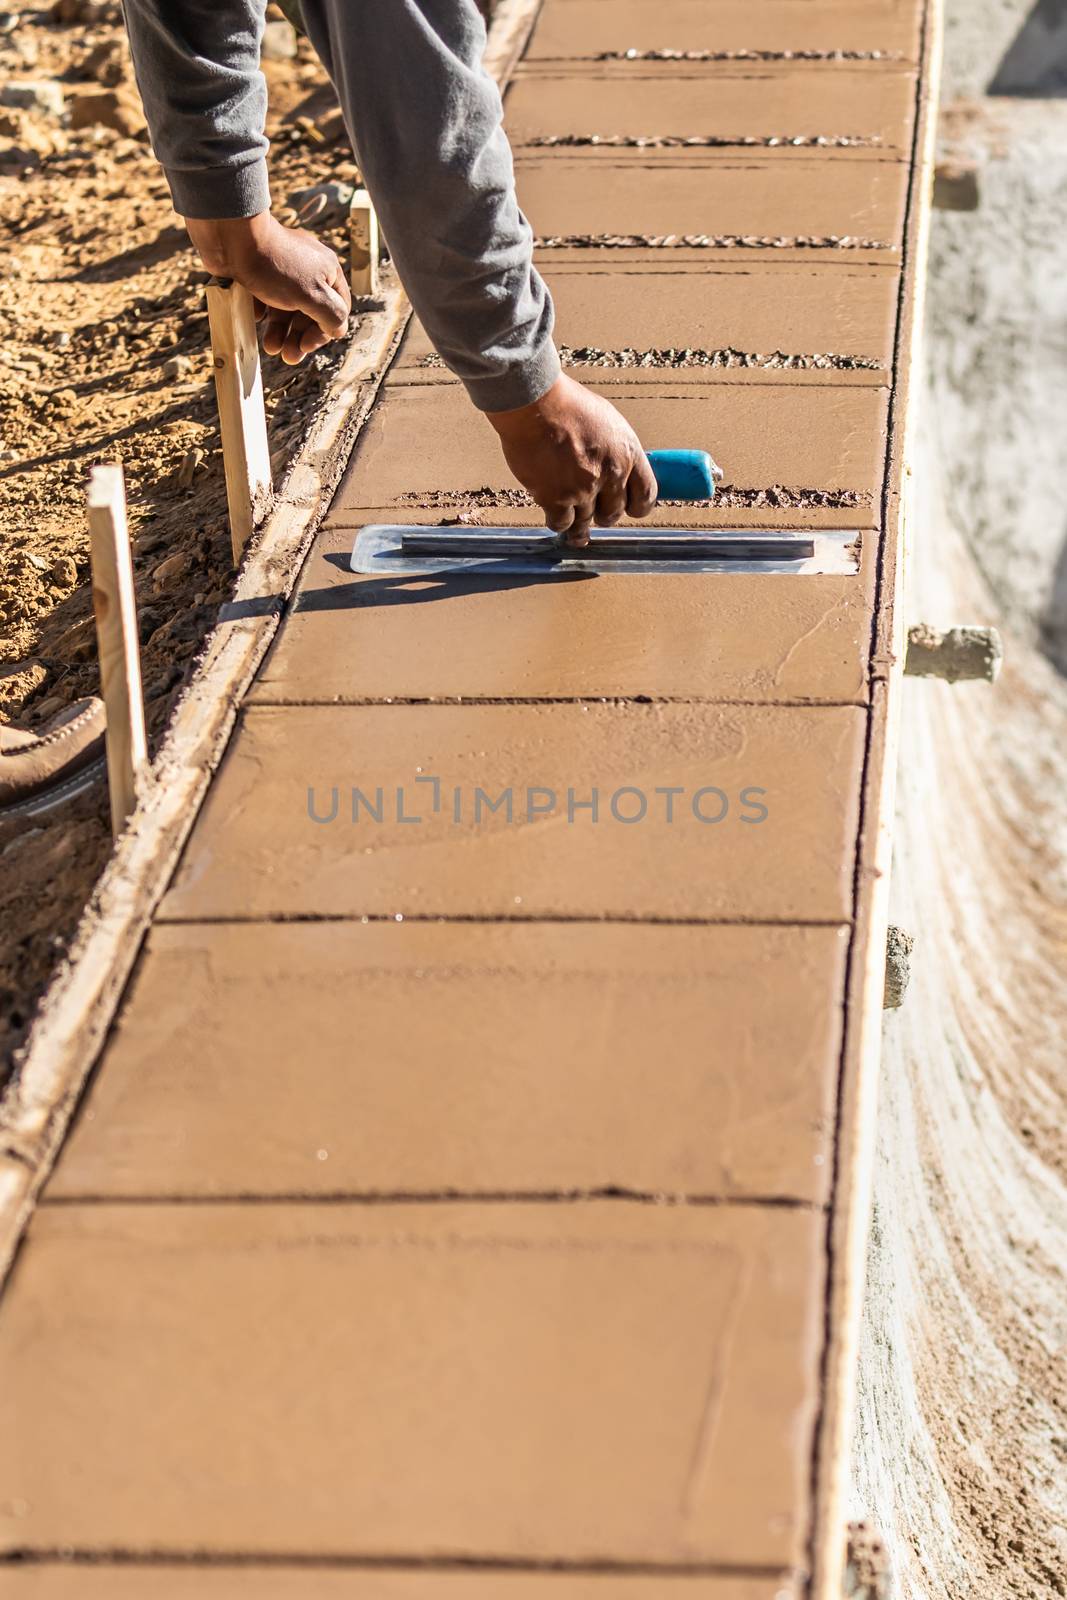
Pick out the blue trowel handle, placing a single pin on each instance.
(684, 474)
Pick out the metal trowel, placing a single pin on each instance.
(680, 475)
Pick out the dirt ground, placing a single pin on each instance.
(104, 357)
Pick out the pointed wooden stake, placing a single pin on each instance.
(239, 388)
(365, 245)
(116, 632)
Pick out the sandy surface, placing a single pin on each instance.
(962, 1444)
(103, 356)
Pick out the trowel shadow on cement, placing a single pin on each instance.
(410, 588)
(1035, 66)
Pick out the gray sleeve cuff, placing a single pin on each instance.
(507, 391)
(219, 192)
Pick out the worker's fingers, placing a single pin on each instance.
(559, 518)
(274, 330)
(641, 488)
(577, 534)
(312, 339)
(293, 351)
(611, 501)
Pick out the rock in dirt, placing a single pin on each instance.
(191, 463)
(30, 136)
(19, 682)
(279, 41)
(106, 63)
(177, 367)
(170, 570)
(43, 95)
(108, 108)
(64, 572)
(70, 11)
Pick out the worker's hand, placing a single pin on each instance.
(302, 296)
(579, 459)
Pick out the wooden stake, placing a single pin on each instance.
(116, 633)
(365, 245)
(239, 388)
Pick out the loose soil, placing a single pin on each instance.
(104, 357)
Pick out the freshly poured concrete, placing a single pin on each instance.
(582, 29)
(530, 1061)
(738, 637)
(158, 1581)
(786, 194)
(569, 1383)
(825, 307)
(257, 851)
(750, 99)
(424, 442)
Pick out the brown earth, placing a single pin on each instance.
(104, 357)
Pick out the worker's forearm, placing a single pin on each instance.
(197, 66)
(426, 122)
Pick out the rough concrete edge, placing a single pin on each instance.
(80, 1003)
(858, 1093)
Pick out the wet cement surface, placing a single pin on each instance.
(868, 106)
(836, 318)
(423, 443)
(587, 29)
(460, 1099)
(416, 1380)
(754, 637)
(505, 831)
(787, 194)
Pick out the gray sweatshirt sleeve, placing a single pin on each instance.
(197, 67)
(426, 123)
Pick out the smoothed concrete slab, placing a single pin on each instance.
(551, 1382)
(828, 314)
(737, 636)
(197, 1582)
(426, 446)
(276, 836)
(530, 1060)
(781, 196)
(875, 110)
(568, 29)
